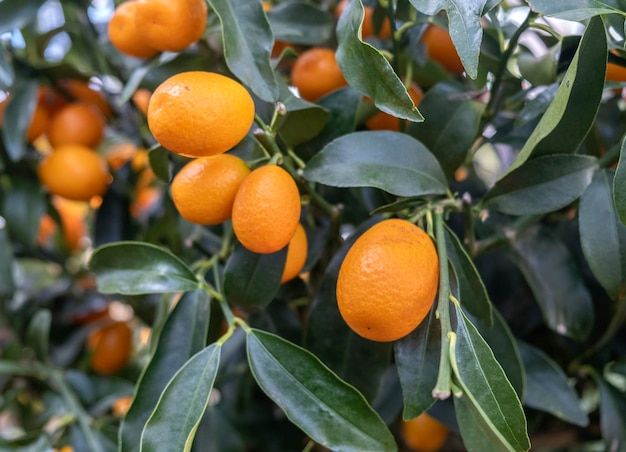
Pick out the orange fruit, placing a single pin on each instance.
(296, 255)
(118, 154)
(146, 200)
(615, 73)
(91, 316)
(388, 280)
(73, 216)
(424, 433)
(51, 100)
(110, 347)
(38, 123)
(121, 406)
(74, 172)
(81, 91)
(141, 98)
(47, 228)
(367, 27)
(197, 114)
(66, 449)
(316, 73)
(440, 48)
(76, 123)
(385, 121)
(204, 190)
(125, 34)
(266, 211)
(171, 25)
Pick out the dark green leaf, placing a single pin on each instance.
(555, 282)
(542, 185)
(326, 408)
(301, 23)
(573, 9)
(38, 334)
(571, 114)
(7, 74)
(7, 284)
(547, 387)
(536, 106)
(252, 280)
(304, 120)
(452, 124)
(472, 291)
(217, 434)
(603, 236)
(160, 163)
(463, 24)
(477, 434)
(18, 114)
(484, 382)
(417, 358)
(22, 207)
(619, 184)
(182, 403)
(367, 70)
(248, 39)
(138, 268)
(612, 415)
(183, 335)
(17, 13)
(391, 161)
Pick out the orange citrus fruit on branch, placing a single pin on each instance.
(388, 280)
(204, 190)
(266, 211)
(316, 73)
(367, 27)
(424, 433)
(198, 114)
(440, 48)
(74, 172)
(110, 347)
(76, 123)
(124, 33)
(296, 255)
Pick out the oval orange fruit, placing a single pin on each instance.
(296, 255)
(440, 48)
(124, 33)
(316, 73)
(77, 123)
(424, 433)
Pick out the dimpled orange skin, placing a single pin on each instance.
(124, 34)
(76, 123)
(440, 48)
(424, 433)
(204, 190)
(266, 211)
(197, 114)
(388, 281)
(171, 25)
(316, 73)
(74, 172)
(296, 255)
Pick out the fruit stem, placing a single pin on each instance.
(442, 387)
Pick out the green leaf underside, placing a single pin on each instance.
(573, 9)
(133, 268)
(367, 70)
(542, 185)
(182, 403)
(619, 184)
(547, 387)
(391, 161)
(569, 117)
(330, 411)
(183, 335)
(463, 25)
(484, 382)
(603, 236)
(248, 40)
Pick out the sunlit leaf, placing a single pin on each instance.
(573, 9)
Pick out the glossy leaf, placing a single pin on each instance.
(301, 23)
(248, 40)
(252, 280)
(542, 185)
(17, 116)
(7, 284)
(619, 184)
(138, 268)
(22, 207)
(556, 283)
(327, 409)
(367, 70)
(304, 120)
(477, 433)
(484, 382)
(17, 13)
(547, 387)
(184, 334)
(452, 124)
(182, 403)
(391, 161)
(417, 359)
(571, 114)
(612, 415)
(573, 9)
(536, 106)
(38, 334)
(603, 236)
(463, 25)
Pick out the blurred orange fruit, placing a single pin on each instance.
(615, 73)
(125, 34)
(296, 255)
(440, 48)
(121, 406)
(141, 98)
(118, 154)
(81, 91)
(76, 123)
(367, 27)
(110, 347)
(73, 216)
(424, 433)
(316, 73)
(385, 121)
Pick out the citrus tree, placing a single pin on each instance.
(310, 225)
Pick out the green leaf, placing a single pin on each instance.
(7, 284)
(555, 281)
(547, 387)
(22, 207)
(484, 382)
(536, 106)
(472, 291)
(301, 23)
(17, 116)
(367, 70)
(38, 334)
(326, 408)
(247, 39)
(7, 74)
(160, 162)
(304, 120)
(619, 184)
(542, 185)
(612, 415)
(477, 433)
(452, 124)
(571, 114)
(573, 9)
(17, 13)
(252, 280)
(391, 161)
(133, 268)
(603, 236)
(417, 359)
(183, 335)
(464, 26)
(182, 403)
